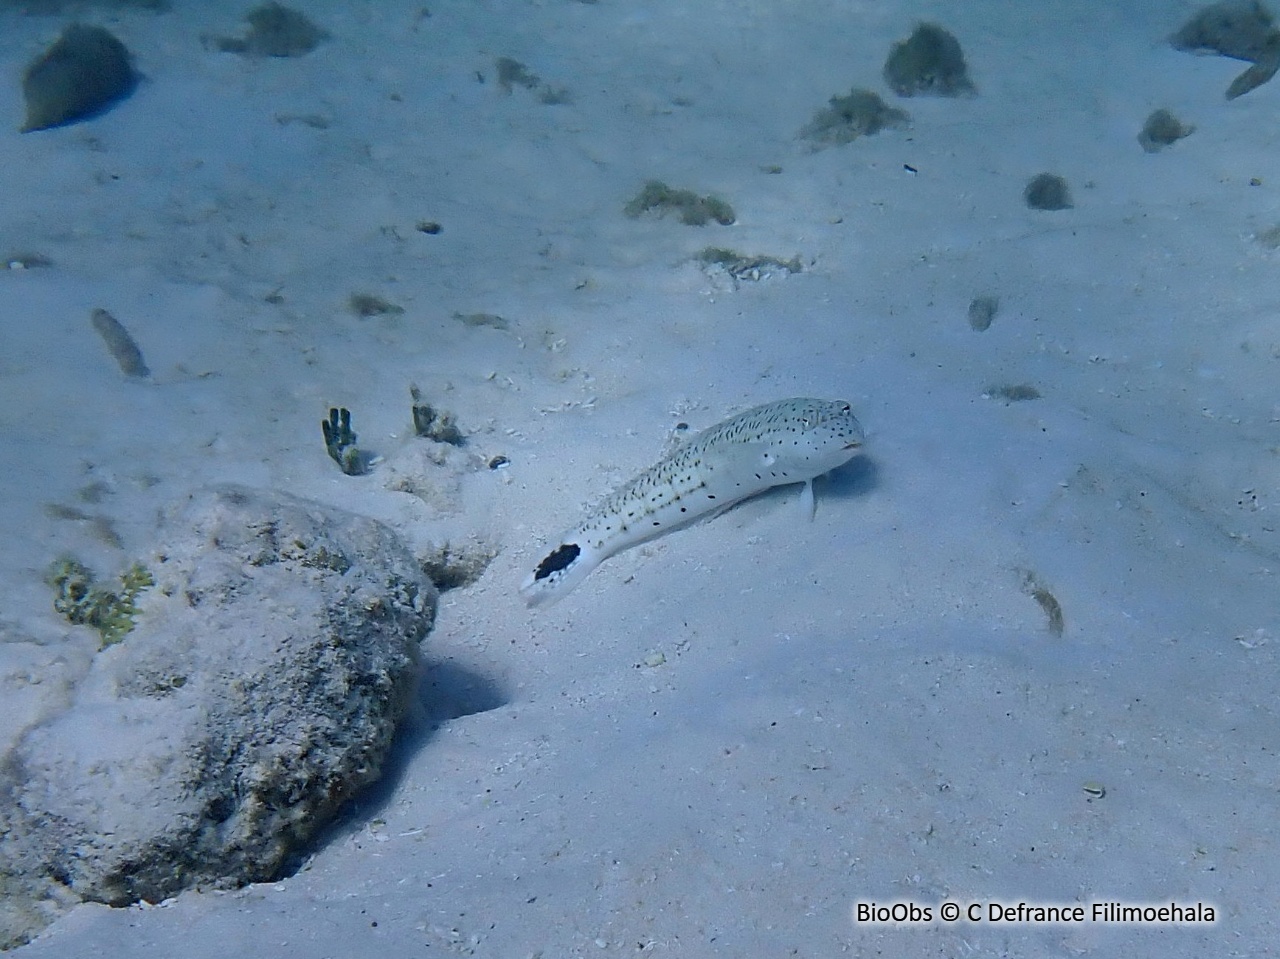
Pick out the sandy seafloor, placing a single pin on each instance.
(869, 706)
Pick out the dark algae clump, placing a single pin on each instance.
(365, 305)
(513, 73)
(928, 63)
(1014, 392)
(275, 31)
(1047, 191)
(1162, 129)
(120, 344)
(693, 210)
(1033, 587)
(86, 71)
(1240, 29)
(982, 312)
(844, 119)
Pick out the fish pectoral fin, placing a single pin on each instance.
(808, 506)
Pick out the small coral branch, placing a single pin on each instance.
(340, 441)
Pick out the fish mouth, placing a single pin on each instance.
(853, 444)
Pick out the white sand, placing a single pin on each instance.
(866, 707)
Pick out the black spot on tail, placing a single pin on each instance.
(559, 558)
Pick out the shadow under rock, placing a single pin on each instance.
(446, 691)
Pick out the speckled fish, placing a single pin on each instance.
(790, 441)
